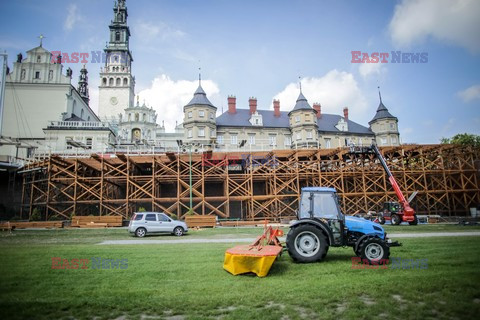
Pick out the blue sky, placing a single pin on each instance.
(260, 48)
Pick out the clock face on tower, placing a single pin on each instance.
(113, 100)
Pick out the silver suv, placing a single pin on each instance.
(155, 222)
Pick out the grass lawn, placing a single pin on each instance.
(179, 281)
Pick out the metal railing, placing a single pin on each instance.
(80, 124)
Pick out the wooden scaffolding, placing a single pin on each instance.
(248, 186)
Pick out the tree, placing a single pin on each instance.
(464, 139)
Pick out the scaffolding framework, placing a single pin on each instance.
(251, 185)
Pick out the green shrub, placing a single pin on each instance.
(141, 209)
(36, 215)
(174, 216)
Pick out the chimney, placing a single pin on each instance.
(252, 102)
(317, 107)
(345, 113)
(276, 108)
(232, 104)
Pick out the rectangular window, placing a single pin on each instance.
(220, 139)
(37, 74)
(394, 140)
(89, 143)
(288, 140)
(328, 143)
(384, 141)
(189, 133)
(213, 133)
(151, 217)
(201, 132)
(299, 136)
(201, 113)
(273, 140)
(307, 118)
(297, 119)
(234, 139)
(211, 116)
(309, 134)
(392, 126)
(252, 139)
(189, 114)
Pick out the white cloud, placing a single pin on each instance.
(470, 93)
(148, 31)
(168, 97)
(72, 17)
(334, 91)
(451, 21)
(370, 69)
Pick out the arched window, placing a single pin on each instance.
(117, 36)
(73, 107)
(137, 117)
(118, 81)
(104, 81)
(144, 117)
(88, 118)
(129, 117)
(39, 59)
(125, 81)
(110, 82)
(81, 114)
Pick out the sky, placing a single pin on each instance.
(260, 48)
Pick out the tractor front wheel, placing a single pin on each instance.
(414, 222)
(306, 243)
(396, 219)
(381, 219)
(375, 250)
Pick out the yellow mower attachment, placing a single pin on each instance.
(257, 257)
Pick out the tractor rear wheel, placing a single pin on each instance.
(375, 250)
(306, 243)
(414, 222)
(396, 219)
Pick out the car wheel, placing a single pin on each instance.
(140, 232)
(414, 222)
(396, 220)
(178, 231)
(381, 219)
(375, 250)
(306, 243)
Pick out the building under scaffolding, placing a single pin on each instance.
(251, 185)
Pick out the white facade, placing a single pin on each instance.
(36, 92)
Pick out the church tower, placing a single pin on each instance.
(117, 85)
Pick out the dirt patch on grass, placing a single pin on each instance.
(367, 300)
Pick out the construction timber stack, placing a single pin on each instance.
(250, 186)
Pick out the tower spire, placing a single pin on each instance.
(300, 83)
(199, 76)
(83, 85)
(379, 94)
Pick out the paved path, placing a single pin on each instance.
(247, 240)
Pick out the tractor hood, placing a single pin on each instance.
(361, 225)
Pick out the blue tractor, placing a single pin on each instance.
(321, 225)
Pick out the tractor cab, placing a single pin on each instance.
(322, 203)
(391, 207)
